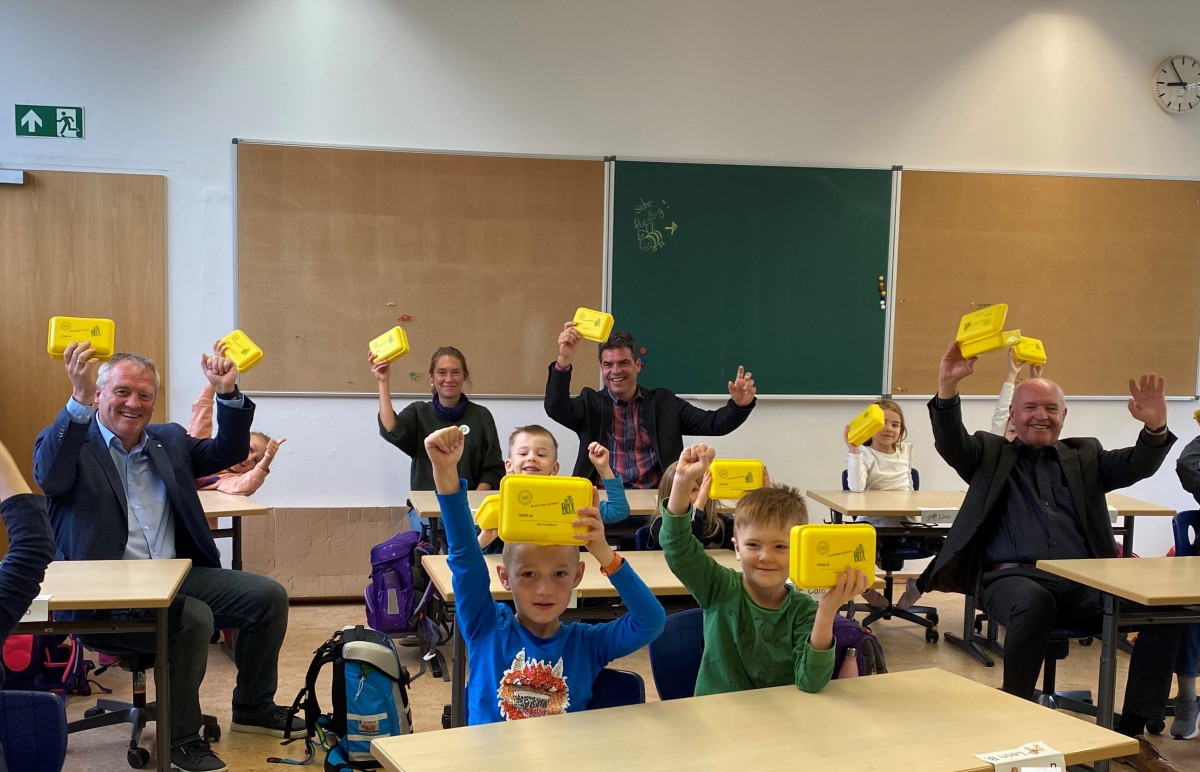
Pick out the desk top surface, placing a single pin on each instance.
(106, 584)
(1149, 581)
(641, 501)
(910, 503)
(650, 565)
(221, 504)
(779, 727)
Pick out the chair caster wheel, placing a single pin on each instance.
(931, 635)
(1156, 726)
(211, 734)
(93, 712)
(137, 757)
(1085, 641)
(934, 618)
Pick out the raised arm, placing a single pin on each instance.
(56, 450)
(560, 405)
(958, 448)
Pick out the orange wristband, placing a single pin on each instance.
(613, 566)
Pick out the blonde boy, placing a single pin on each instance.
(758, 630)
(530, 663)
(533, 450)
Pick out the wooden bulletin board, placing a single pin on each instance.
(489, 254)
(75, 244)
(772, 267)
(1106, 271)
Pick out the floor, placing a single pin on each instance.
(904, 645)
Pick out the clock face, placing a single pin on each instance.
(1176, 84)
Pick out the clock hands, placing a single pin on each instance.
(1176, 69)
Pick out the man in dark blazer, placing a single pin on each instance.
(119, 487)
(1040, 497)
(643, 429)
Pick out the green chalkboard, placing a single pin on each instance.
(775, 268)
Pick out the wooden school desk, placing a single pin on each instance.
(1169, 586)
(863, 724)
(651, 566)
(93, 585)
(221, 504)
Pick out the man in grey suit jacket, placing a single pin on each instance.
(119, 487)
(1039, 497)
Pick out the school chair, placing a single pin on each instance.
(675, 654)
(1058, 647)
(641, 538)
(137, 713)
(33, 731)
(890, 554)
(614, 688)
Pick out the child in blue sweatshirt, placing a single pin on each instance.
(531, 663)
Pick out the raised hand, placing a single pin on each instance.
(1147, 402)
(741, 388)
(590, 530)
(951, 369)
(81, 364)
(382, 369)
(568, 339)
(269, 453)
(445, 447)
(693, 462)
(849, 445)
(850, 584)
(599, 456)
(220, 371)
(1014, 367)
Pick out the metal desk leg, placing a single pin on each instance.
(458, 678)
(967, 642)
(1108, 668)
(1127, 539)
(162, 690)
(236, 545)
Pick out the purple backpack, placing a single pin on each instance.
(46, 663)
(857, 651)
(392, 595)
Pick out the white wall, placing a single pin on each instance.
(1058, 86)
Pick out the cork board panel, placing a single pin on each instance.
(489, 254)
(75, 244)
(1105, 271)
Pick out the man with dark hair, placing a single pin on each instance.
(643, 429)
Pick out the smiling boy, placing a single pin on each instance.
(531, 663)
(758, 630)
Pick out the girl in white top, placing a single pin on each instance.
(883, 463)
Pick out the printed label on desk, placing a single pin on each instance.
(39, 609)
(938, 515)
(1030, 756)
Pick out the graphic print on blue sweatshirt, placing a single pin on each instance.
(531, 688)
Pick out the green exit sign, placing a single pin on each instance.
(49, 121)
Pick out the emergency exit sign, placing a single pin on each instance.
(49, 121)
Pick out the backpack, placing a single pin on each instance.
(856, 651)
(369, 700)
(400, 597)
(46, 663)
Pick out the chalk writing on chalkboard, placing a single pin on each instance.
(647, 219)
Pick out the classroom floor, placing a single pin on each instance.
(310, 625)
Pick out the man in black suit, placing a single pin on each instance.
(119, 487)
(1037, 498)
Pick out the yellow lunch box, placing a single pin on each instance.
(982, 331)
(1029, 351)
(541, 510)
(865, 425)
(65, 330)
(390, 346)
(594, 325)
(820, 551)
(488, 514)
(733, 478)
(242, 350)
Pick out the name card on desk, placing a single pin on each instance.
(1030, 756)
(938, 515)
(39, 609)
(1112, 514)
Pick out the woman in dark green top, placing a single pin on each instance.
(482, 461)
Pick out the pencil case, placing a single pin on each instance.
(1029, 351)
(242, 350)
(865, 425)
(488, 514)
(733, 478)
(390, 346)
(593, 325)
(819, 552)
(541, 510)
(65, 330)
(982, 331)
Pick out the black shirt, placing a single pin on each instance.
(1040, 521)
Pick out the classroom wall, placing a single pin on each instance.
(1058, 86)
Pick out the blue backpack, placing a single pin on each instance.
(369, 700)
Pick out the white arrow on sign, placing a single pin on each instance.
(31, 121)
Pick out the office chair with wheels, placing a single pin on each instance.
(614, 688)
(890, 554)
(137, 713)
(33, 731)
(1059, 646)
(675, 654)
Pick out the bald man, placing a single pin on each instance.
(1039, 497)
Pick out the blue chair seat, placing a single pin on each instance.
(33, 731)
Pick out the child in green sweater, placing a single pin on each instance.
(758, 630)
